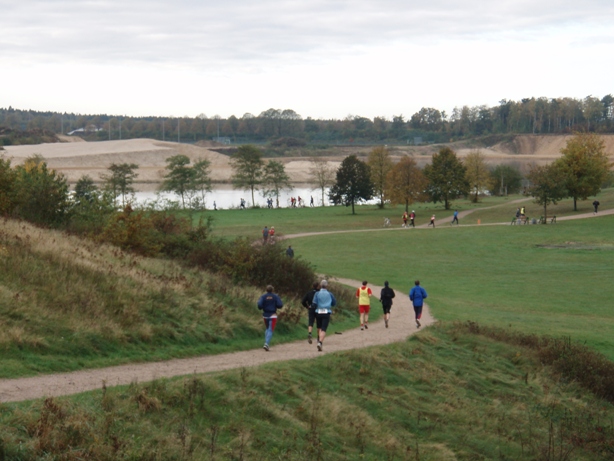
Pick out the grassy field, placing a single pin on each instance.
(249, 222)
(544, 279)
(445, 394)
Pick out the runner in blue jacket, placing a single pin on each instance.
(417, 295)
(268, 304)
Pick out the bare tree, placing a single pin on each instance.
(322, 175)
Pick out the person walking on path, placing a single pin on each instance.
(417, 295)
(307, 303)
(412, 218)
(311, 201)
(405, 216)
(290, 252)
(268, 303)
(455, 217)
(364, 294)
(432, 223)
(385, 298)
(265, 235)
(595, 205)
(323, 303)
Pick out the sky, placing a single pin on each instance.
(320, 58)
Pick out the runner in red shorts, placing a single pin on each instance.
(364, 304)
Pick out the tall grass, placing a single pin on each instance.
(446, 393)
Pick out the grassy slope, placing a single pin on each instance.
(445, 394)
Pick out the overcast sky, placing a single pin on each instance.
(324, 59)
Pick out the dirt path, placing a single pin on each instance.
(401, 326)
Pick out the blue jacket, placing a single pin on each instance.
(268, 303)
(417, 295)
(324, 299)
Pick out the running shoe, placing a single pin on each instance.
(366, 326)
(418, 323)
(386, 323)
(309, 340)
(319, 346)
(266, 347)
(362, 327)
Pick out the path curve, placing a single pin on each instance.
(401, 327)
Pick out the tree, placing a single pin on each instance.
(7, 187)
(248, 168)
(353, 183)
(547, 185)
(179, 177)
(477, 174)
(585, 166)
(446, 178)
(505, 179)
(42, 194)
(322, 175)
(119, 181)
(406, 183)
(85, 189)
(202, 178)
(275, 180)
(380, 164)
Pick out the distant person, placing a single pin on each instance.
(311, 201)
(268, 303)
(290, 252)
(242, 204)
(364, 294)
(385, 298)
(595, 206)
(522, 212)
(214, 206)
(265, 235)
(417, 295)
(405, 216)
(272, 234)
(307, 303)
(517, 213)
(412, 218)
(455, 217)
(323, 302)
(432, 223)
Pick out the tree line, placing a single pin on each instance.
(285, 126)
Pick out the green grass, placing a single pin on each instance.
(501, 275)
(444, 394)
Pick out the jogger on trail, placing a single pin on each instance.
(412, 218)
(364, 304)
(268, 304)
(405, 216)
(455, 218)
(417, 295)
(385, 298)
(323, 302)
(307, 302)
(432, 223)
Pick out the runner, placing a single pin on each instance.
(323, 302)
(268, 304)
(265, 235)
(290, 252)
(455, 218)
(405, 216)
(364, 304)
(412, 218)
(311, 312)
(385, 298)
(432, 223)
(595, 205)
(417, 295)
(272, 234)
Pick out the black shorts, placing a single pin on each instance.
(386, 309)
(322, 321)
(311, 315)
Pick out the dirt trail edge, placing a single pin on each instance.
(402, 325)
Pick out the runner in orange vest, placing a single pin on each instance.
(364, 304)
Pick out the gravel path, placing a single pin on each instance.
(401, 326)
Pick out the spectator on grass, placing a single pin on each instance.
(268, 303)
(323, 302)
(265, 235)
(417, 295)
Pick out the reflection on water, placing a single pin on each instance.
(226, 197)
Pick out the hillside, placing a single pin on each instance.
(93, 158)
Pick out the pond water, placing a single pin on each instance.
(225, 197)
